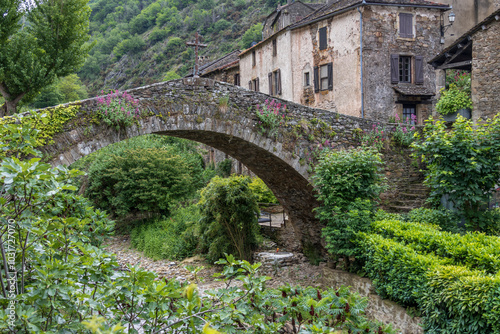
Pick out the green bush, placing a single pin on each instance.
(229, 222)
(131, 45)
(452, 100)
(147, 173)
(459, 300)
(224, 168)
(473, 250)
(447, 220)
(342, 229)
(342, 176)
(397, 271)
(167, 238)
(451, 298)
(261, 192)
(463, 165)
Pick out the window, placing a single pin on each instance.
(410, 114)
(323, 77)
(405, 25)
(322, 39)
(254, 61)
(404, 69)
(403, 66)
(275, 82)
(254, 84)
(237, 79)
(307, 79)
(275, 48)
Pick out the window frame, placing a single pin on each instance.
(254, 59)
(406, 21)
(323, 78)
(275, 47)
(405, 69)
(323, 37)
(307, 79)
(413, 107)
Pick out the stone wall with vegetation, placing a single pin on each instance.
(381, 309)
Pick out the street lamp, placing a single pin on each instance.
(451, 19)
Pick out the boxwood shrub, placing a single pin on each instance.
(472, 250)
(452, 299)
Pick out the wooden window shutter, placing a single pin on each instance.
(419, 70)
(250, 85)
(330, 76)
(270, 76)
(394, 69)
(322, 38)
(406, 25)
(316, 79)
(257, 88)
(278, 73)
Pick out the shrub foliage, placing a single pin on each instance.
(463, 164)
(229, 222)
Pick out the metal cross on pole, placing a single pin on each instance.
(196, 45)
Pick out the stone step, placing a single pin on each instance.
(399, 208)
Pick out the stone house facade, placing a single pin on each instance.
(468, 14)
(225, 69)
(477, 51)
(354, 57)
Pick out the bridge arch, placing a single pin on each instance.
(223, 116)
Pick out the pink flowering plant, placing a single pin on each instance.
(375, 137)
(118, 109)
(270, 115)
(404, 132)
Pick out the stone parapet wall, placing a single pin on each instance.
(486, 72)
(378, 308)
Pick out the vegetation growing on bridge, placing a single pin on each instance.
(64, 280)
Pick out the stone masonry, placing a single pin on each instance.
(486, 70)
(223, 116)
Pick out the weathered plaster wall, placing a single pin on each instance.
(342, 51)
(468, 14)
(485, 83)
(380, 40)
(266, 62)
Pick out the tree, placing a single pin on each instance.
(254, 34)
(51, 43)
(229, 224)
(463, 164)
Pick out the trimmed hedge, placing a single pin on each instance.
(460, 300)
(397, 271)
(452, 299)
(473, 250)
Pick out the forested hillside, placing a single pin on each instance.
(138, 42)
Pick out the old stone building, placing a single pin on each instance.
(358, 58)
(477, 51)
(225, 69)
(287, 15)
(468, 14)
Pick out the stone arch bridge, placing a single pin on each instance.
(223, 116)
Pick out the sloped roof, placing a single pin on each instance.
(412, 90)
(455, 47)
(342, 5)
(225, 61)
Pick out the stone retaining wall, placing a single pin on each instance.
(378, 308)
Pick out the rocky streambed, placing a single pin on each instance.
(282, 267)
